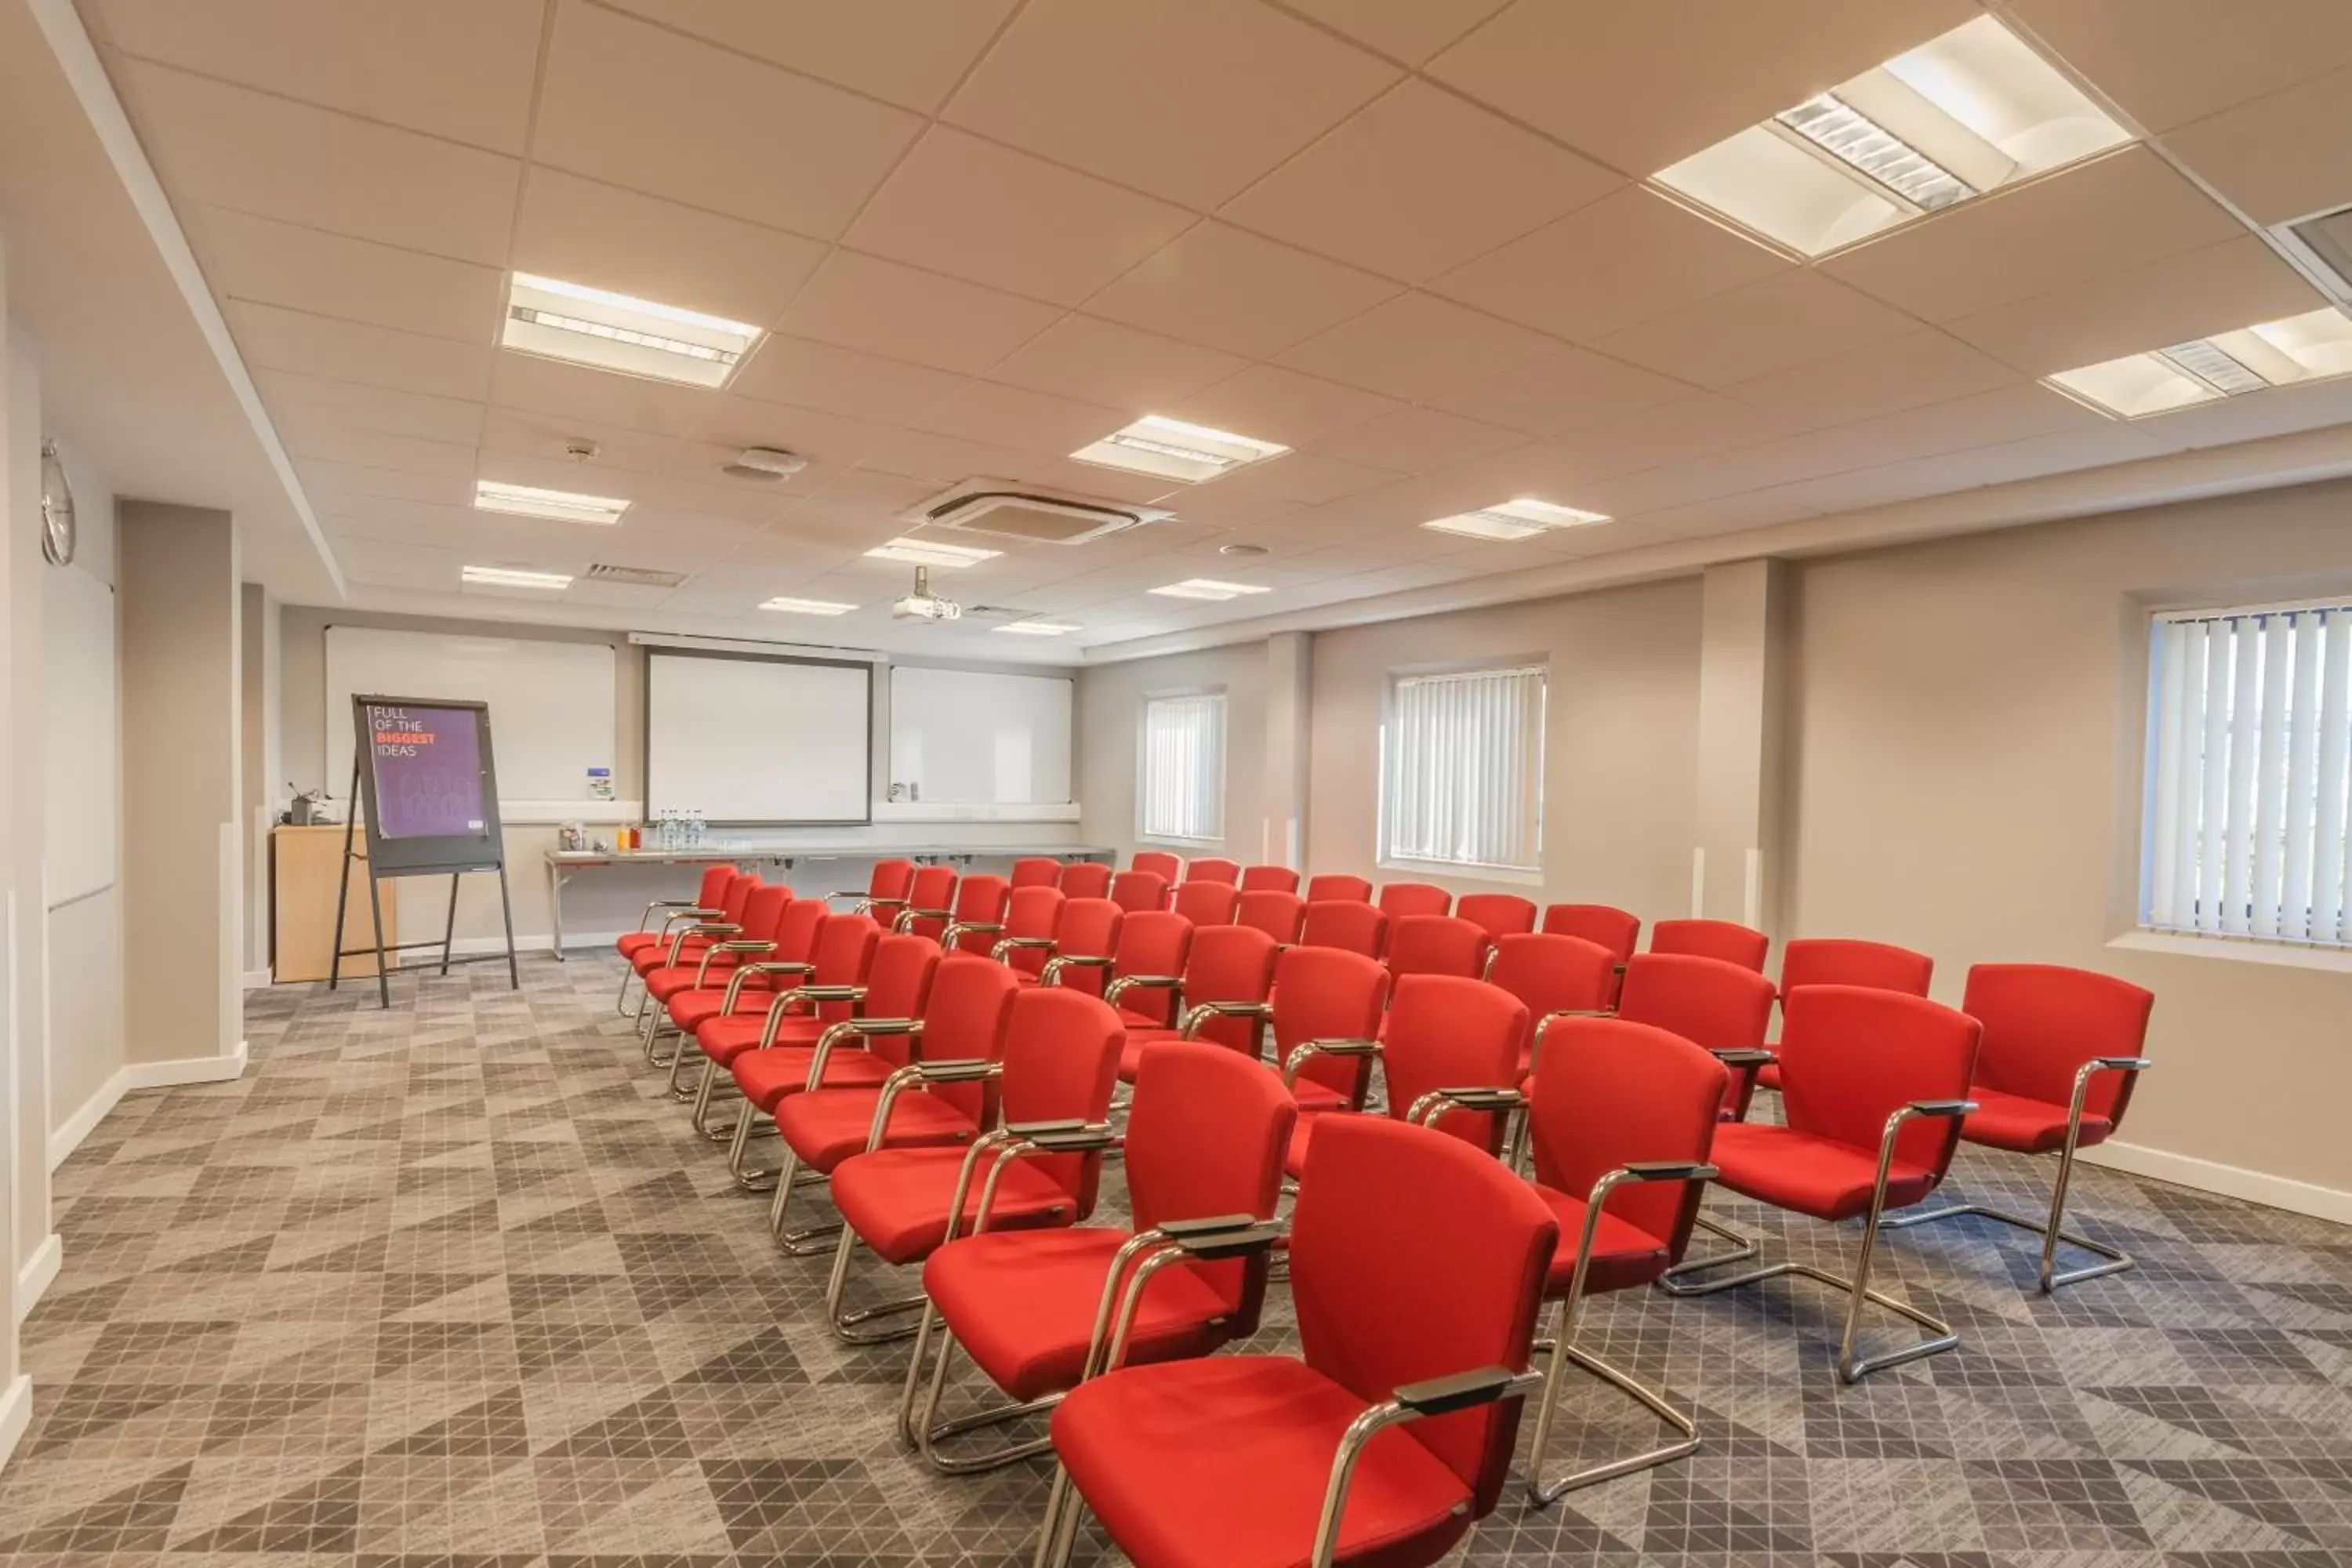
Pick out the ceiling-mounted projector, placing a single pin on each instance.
(922, 605)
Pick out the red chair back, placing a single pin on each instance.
(1599, 924)
(1413, 1256)
(2043, 1021)
(762, 911)
(1724, 940)
(716, 880)
(1270, 879)
(964, 1021)
(1230, 963)
(1085, 879)
(1437, 945)
(1206, 903)
(737, 898)
(898, 978)
(1351, 928)
(1554, 974)
(1168, 869)
(1277, 914)
(1400, 899)
(1502, 914)
(1036, 871)
(1207, 1137)
(1448, 1032)
(796, 929)
(932, 890)
(1607, 1093)
(1820, 960)
(1137, 891)
(1326, 994)
(845, 953)
(1154, 942)
(981, 900)
(1351, 890)
(1851, 1057)
(888, 887)
(1088, 928)
(1061, 1063)
(1031, 911)
(1214, 868)
(1716, 1005)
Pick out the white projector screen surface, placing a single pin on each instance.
(963, 737)
(764, 741)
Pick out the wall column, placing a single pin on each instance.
(23, 1157)
(1289, 697)
(1743, 659)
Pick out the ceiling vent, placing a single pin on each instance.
(996, 612)
(635, 576)
(1004, 509)
(2324, 245)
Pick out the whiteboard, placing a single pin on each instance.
(958, 737)
(553, 714)
(78, 736)
(742, 739)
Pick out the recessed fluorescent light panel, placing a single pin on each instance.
(1038, 628)
(514, 577)
(1520, 519)
(1172, 449)
(559, 506)
(1961, 115)
(563, 321)
(1208, 588)
(2311, 347)
(929, 552)
(792, 606)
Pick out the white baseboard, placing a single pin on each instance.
(525, 946)
(2228, 1181)
(257, 979)
(189, 1069)
(33, 1279)
(15, 1415)
(84, 1121)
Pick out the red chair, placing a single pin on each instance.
(1351, 928)
(1443, 1032)
(1437, 945)
(963, 1021)
(1152, 946)
(688, 939)
(810, 1050)
(1036, 871)
(931, 903)
(1351, 890)
(1214, 868)
(752, 986)
(1325, 994)
(1417, 1265)
(1399, 898)
(1085, 879)
(1873, 1084)
(703, 906)
(1219, 999)
(1718, 1006)
(1032, 1308)
(979, 918)
(1206, 903)
(1599, 924)
(1168, 869)
(1622, 1121)
(1557, 977)
(1139, 892)
(1502, 914)
(1270, 879)
(1042, 1166)
(1085, 934)
(1724, 940)
(1030, 916)
(1279, 915)
(775, 930)
(2060, 1052)
(1817, 961)
(844, 952)
(751, 908)
(887, 888)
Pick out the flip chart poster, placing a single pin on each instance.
(427, 765)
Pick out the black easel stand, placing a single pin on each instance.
(375, 902)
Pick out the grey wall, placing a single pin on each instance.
(1110, 716)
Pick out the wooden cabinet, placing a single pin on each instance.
(305, 861)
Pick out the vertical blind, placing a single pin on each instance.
(1183, 794)
(1463, 774)
(2251, 746)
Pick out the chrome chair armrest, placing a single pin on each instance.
(702, 970)
(1331, 1047)
(1126, 982)
(713, 929)
(1431, 1396)
(910, 915)
(1200, 1012)
(680, 910)
(743, 972)
(958, 930)
(836, 1033)
(1023, 1138)
(1055, 966)
(1007, 944)
(963, 1069)
(1488, 1098)
(1206, 1239)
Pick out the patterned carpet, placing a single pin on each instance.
(449, 1286)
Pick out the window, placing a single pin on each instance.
(1183, 773)
(2250, 745)
(1461, 770)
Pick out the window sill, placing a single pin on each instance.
(2237, 949)
(1461, 872)
(1175, 843)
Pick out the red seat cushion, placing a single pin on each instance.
(1302, 1133)
(2012, 1122)
(1315, 1097)
(1023, 1303)
(725, 1038)
(677, 980)
(769, 1077)
(1135, 1020)
(656, 956)
(826, 1126)
(1221, 1463)
(1769, 1074)
(1624, 1254)
(897, 1200)
(1809, 1173)
(1130, 1054)
(690, 1010)
(630, 943)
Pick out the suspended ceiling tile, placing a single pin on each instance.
(1188, 99)
(986, 213)
(831, 441)
(1308, 477)
(1272, 404)
(633, 403)
(1418, 183)
(1624, 259)
(1557, 393)
(2282, 158)
(1784, 321)
(1032, 421)
(1919, 368)
(2281, 411)
(841, 381)
(948, 459)
(1235, 291)
(275, 339)
(308, 269)
(1406, 30)
(907, 51)
(637, 106)
(312, 400)
(1416, 346)
(333, 482)
(1102, 362)
(518, 432)
(584, 231)
(882, 308)
(375, 449)
(1699, 425)
(1419, 440)
(2167, 62)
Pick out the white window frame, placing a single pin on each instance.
(1530, 874)
(1143, 765)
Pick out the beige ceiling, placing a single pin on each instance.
(1408, 238)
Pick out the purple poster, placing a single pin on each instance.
(427, 766)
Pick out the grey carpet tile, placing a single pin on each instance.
(456, 1287)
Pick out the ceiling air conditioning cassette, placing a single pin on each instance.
(1007, 508)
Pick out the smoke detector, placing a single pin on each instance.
(764, 464)
(922, 605)
(1006, 508)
